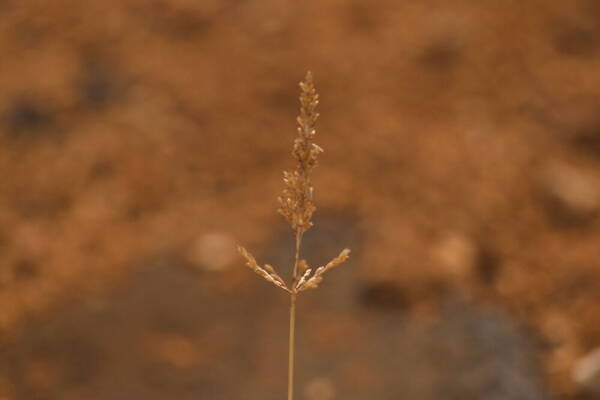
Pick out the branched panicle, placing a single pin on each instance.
(296, 204)
(297, 200)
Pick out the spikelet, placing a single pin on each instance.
(306, 283)
(302, 266)
(268, 273)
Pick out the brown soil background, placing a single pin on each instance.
(140, 140)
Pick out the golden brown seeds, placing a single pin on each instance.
(296, 201)
(306, 283)
(268, 273)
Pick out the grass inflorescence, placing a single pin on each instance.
(296, 204)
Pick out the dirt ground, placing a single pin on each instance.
(141, 140)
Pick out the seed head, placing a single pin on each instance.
(296, 203)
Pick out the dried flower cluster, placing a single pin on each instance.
(267, 272)
(297, 200)
(305, 282)
(312, 282)
(296, 204)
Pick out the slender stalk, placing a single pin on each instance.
(291, 347)
(297, 207)
(291, 343)
(295, 276)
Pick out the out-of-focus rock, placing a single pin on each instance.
(558, 332)
(586, 374)
(573, 193)
(319, 389)
(176, 350)
(557, 327)
(212, 251)
(457, 255)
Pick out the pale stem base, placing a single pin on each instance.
(291, 347)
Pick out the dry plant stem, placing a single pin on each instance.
(298, 241)
(291, 346)
(297, 207)
(291, 343)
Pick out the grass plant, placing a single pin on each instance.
(296, 205)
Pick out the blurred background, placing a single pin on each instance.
(141, 140)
